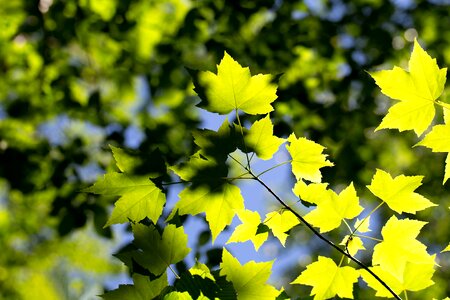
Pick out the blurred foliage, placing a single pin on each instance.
(77, 76)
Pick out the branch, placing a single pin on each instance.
(323, 238)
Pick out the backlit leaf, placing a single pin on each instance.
(139, 197)
(328, 280)
(280, 223)
(415, 277)
(219, 204)
(400, 246)
(247, 230)
(353, 245)
(158, 252)
(249, 280)
(398, 192)
(307, 158)
(438, 140)
(261, 140)
(416, 90)
(446, 249)
(331, 208)
(234, 88)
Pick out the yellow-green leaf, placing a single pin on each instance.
(353, 244)
(362, 225)
(328, 280)
(219, 204)
(139, 197)
(247, 230)
(307, 158)
(398, 192)
(416, 90)
(331, 208)
(178, 296)
(438, 140)
(261, 140)
(249, 280)
(280, 223)
(234, 88)
(415, 277)
(400, 246)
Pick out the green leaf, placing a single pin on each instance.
(398, 192)
(139, 197)
(219, 204)
(142, 289)
(328, 280)
(353, 244)
(157, 252)
(307, 158)
(280, 223)
(331, 208)
(400, 246)
(416, 90)
(249, 280)
(178, 296)
(234, 88)
(247, 230)
(124, 161)
(260, 139)
(446, 249)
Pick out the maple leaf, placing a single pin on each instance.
(398, 192)
(260, 139)
(353, 245)
(400, 246)
(139, 197)
(328, 280)
(234, 88)
(307, 158)
(219, 204)
(438, 140)
(280, 223)
(362, 225)
(143, 288)
(417, 91)
(247, 230)
(179, 296)
(331, 208)
(159, 251)
(249, 280)
(415, 277)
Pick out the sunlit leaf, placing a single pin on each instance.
(249, 280)
(261, 140)
(328, 279)
(416, 90)
(353, 244)
(247, 230)
(400, 246)
(307, 158)
(219, 204)
(331, 208)
(398, 192)
(280, 223)
(234, 88)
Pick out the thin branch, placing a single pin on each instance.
(323, 238)
(243, 139)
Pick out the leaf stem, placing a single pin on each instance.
(366, 217)
(367, 237)
(323, 238)
(271, 168)
(243, 139)
(174, 273)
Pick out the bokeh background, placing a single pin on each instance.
(79, 75)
